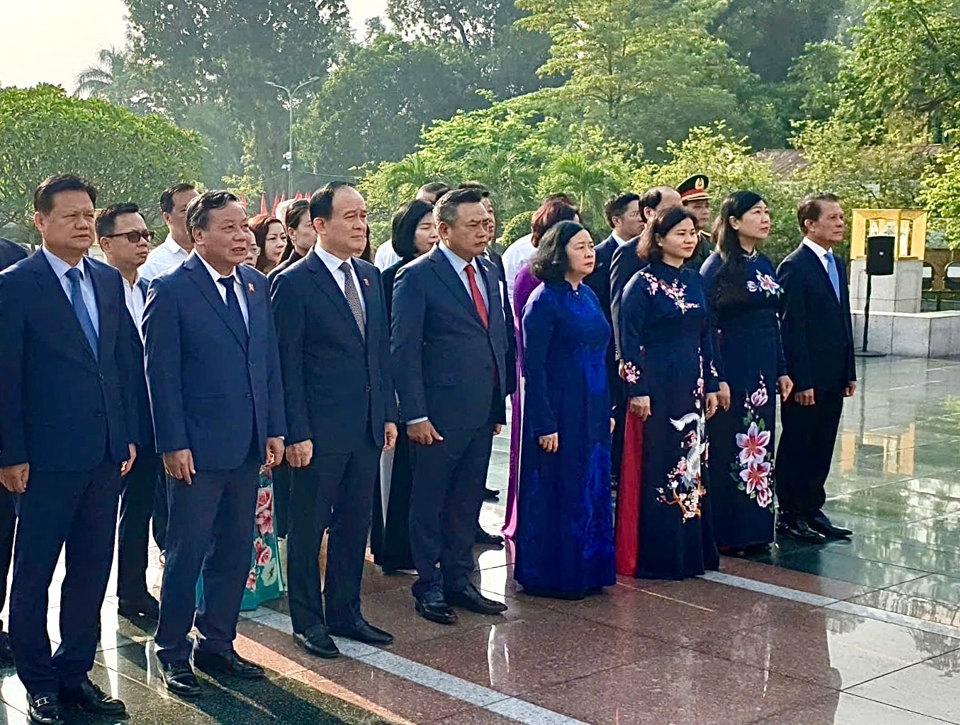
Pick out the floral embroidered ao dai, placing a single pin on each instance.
(749, 358)
(667, 354)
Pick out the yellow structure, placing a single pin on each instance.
(907, 226)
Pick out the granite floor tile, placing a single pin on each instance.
(801, 581)
(849, 710)
(929, 688)
(475, 716)
(912, 606)
(834, 565)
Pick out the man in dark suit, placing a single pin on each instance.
(10, 254)
(341, 408)
(626, 221)
(214, 377)
(625, 262)
(818, 345)
(67, 435)
(449, 348)
(125, 240)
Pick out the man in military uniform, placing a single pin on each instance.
(695, 196)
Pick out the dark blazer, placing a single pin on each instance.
(146, 436)
(387, 279)
(10, 253)
(816, 328)
(212, 390)
(599, 279)
(443, 357)
(288, 262)
(338, 387)
(623, 266)
(497, 260)
(61, 408)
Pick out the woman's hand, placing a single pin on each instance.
(785, 387)
(712, 403)
(723, 397)
(550, 443)
(640, 406)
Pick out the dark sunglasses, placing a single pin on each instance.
(135, 236)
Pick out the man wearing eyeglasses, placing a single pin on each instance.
(125, 241)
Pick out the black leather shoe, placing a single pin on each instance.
(819, 522)
(470, 598)
(227, 663)
(44, 710)
(485, 539)
(6, 651)
(799, 530)
(490, 494)
(179, 678)
(364, 632)
(317, 644)
(146, 607)
(88, 696)
(434, 608)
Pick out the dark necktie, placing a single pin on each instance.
(81, 311)
(353, 299)
(233, 304)
(477, 297)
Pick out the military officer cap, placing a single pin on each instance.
(695, 188)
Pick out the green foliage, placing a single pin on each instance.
(940, 191)
(44, 131)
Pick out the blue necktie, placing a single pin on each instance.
(834, 275)
(233, 304)
(81, 311)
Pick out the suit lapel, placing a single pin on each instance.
(59, 304)
(448, 274)
(813, 259)
(203, 280)
(491, 278)
(325, 281)
(105, 311)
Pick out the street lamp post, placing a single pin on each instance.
(289, 155)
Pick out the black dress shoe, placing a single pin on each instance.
(470, 598)
(800, 530)
(482, 537)
(317, 644)
(179, 678)
(227, 663)
(145, 606)
(6, 651)
(88, 696)
(490, 494)
(44, 710)
(434, 608)
(820, 522)
(364, 632)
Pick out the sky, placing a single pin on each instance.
(52, 41)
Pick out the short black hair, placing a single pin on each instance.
(437, 188)
(482, 188)
(551, 262)
(107, 218)
(295, 212)
(166, 198)
(617, 205)
(403, 228)
(447, 206)
(811, 207)
(321, 203)
(53, 185)
(651, 199)
(199, 208)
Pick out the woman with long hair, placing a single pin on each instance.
(271, 237)
(414, 233)
(663, 510)
(743, 298)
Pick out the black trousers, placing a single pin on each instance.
(79, 510)
(335, 491)
(137, 495)
(448, 485)
(210, 530)
(8, 525)
(807, 440)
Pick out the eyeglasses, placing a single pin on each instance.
(134, 236)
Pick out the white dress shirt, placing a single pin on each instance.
(136, 301)
(237, 289)
(616, 237)
(820, 251)
(332, 262)
(459, 266)
(60, 268)
(167, 256)
(386, 256)
(517, 255)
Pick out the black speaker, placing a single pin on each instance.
(880, 256)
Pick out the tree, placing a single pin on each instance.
(44, 131)
(940, 191)
(117, 78)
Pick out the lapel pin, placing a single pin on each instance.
(366, 282)
(250, 287)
